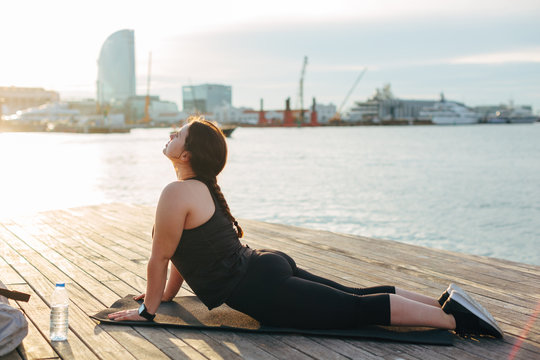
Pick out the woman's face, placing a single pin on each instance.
(175, 147)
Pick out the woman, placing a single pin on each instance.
(195, 231)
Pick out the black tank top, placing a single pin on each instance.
(211, 258)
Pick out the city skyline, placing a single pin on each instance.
(479, 54)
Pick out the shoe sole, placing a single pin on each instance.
(447, 292)
(475, 308)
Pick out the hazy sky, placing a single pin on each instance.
(478, 52)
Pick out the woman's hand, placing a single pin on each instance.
(139, 297)
(129, 315)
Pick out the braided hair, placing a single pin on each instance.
(208, 148)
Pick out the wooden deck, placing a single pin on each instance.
(102, 251)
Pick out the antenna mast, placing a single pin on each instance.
(301, 90)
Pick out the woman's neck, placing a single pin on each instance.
(183, 173)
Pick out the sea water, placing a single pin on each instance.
(474, 189)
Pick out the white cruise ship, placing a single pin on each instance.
(450, 113)
(513, 115)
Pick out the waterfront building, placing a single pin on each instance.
(14, 98)
(84, 106)
(205, 98)
(227, 114)
(160, 111)
(325, 112)
(47, 113)
(116, 68)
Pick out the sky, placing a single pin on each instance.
(476, 52)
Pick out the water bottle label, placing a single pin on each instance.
(59, 323)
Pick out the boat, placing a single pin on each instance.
(449, 113)
(227, 129)
(513, 115)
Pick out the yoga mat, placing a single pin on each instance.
(190, 312)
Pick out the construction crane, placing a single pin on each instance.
(337, 115)
(146, 118)
(301, 90)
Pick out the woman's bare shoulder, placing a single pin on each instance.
(181, 192)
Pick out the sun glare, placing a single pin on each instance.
(30, 182)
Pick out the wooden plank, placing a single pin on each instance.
(241, 346)
(102, 251)
(376, 252)
(13, 355)
(133, 341)
(204, 344)
(347, 349)
(301, 250)
(276, 347)
(80, 324)
(171, 345)
(35, 345)
(38, 312)
(9, 275)
(309, 347)
(120, 289)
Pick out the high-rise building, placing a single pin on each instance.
(116, 68)
(205, 98)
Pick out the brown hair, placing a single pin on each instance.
(208, 147)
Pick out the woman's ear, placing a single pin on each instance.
(185, 156)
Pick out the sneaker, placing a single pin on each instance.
(463, 293)
(470, 319)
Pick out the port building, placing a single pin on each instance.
(205, 98)
(160, 111)
(13, 98)
(116, 68)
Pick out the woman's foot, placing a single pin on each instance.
(454, 287)
(471, 318)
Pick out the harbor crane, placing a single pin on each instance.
(337, 115)
(146, 118)
(301, 90)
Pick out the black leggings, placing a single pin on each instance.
(276, 292)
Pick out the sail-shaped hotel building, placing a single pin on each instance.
(116, 68)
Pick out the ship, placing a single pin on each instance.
(513, 115)
(450, 113)
(227, 129)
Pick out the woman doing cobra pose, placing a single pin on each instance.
(195, 231)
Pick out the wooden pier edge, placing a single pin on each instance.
(101, 253)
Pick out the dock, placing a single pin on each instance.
(101, 253)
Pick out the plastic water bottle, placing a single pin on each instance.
(59, 313)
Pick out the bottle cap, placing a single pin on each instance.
(60, 284)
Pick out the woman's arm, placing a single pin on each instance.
(170, 217)
(171, 213)
(171, 289)
(173, 285)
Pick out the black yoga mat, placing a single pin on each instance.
(190, 312)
